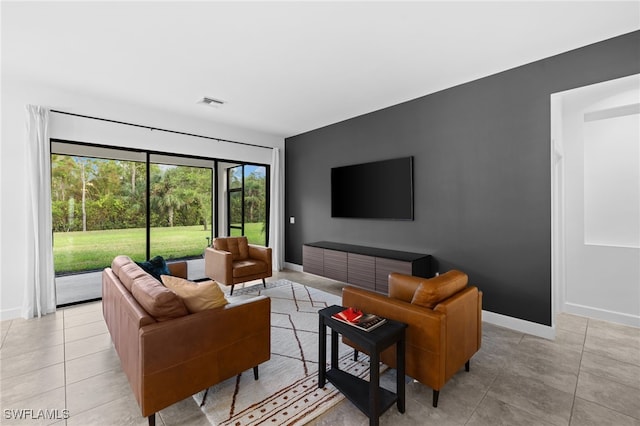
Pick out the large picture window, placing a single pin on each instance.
(98, 206)
(109, 201)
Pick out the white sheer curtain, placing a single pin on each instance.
(276, 213)
(39, 294)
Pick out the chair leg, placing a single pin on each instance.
(436, 393)
(467, 365)
(355, 354)
(152, 419)
(264, 283)
(231, 294)
(255, 372)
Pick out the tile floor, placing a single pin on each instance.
(590, 375)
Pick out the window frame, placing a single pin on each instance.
(241, 189)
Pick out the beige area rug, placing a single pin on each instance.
(287, 390)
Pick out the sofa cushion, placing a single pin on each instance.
(196, 296)
(159, 302)
(155, 266)
(244, 268)
(433, 291)
(118, 262)
(237, 246)
(128, 273)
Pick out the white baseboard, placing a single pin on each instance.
(293, 266)
(517, 324)
(536, 329)
(9, 314)
(523, 326)
(602, 314)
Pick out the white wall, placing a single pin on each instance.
(612, 172)
(602, 280)
(17, 93)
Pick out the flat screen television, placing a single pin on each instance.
(377, 190)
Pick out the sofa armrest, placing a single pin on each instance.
(464, 326)
(178, 269)
(426, 328)
(218, 265)
(260, 253)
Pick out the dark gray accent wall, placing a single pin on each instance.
(481, 175)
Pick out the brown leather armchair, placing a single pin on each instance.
(232, 260)
(445, 323)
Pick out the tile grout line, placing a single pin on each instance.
(64, 362)
(483, 398)
(575, 389)
(522, 337)
(6, 334)
(502, 372)
(615, 381)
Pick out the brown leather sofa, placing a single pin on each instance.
(232, 260)
(169, 354)
(445, 323)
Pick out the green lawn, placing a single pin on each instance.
(93, 250)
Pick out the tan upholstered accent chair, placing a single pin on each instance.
(232, 260)
(445, 323)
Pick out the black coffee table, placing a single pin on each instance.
(369, 397)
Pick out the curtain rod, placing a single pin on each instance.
(162, 130)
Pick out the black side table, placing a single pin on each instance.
(369, 397)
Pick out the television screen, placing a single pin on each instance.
(377, 190)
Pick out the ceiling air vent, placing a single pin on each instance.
(212, 102)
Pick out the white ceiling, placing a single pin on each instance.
(289, 67)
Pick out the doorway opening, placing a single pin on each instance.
(595, 188)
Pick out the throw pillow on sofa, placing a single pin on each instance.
(156, 266)
(196, 296)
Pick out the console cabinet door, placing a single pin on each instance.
(386, 266)
(313, 260)
(335, 265)
(361, 271)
